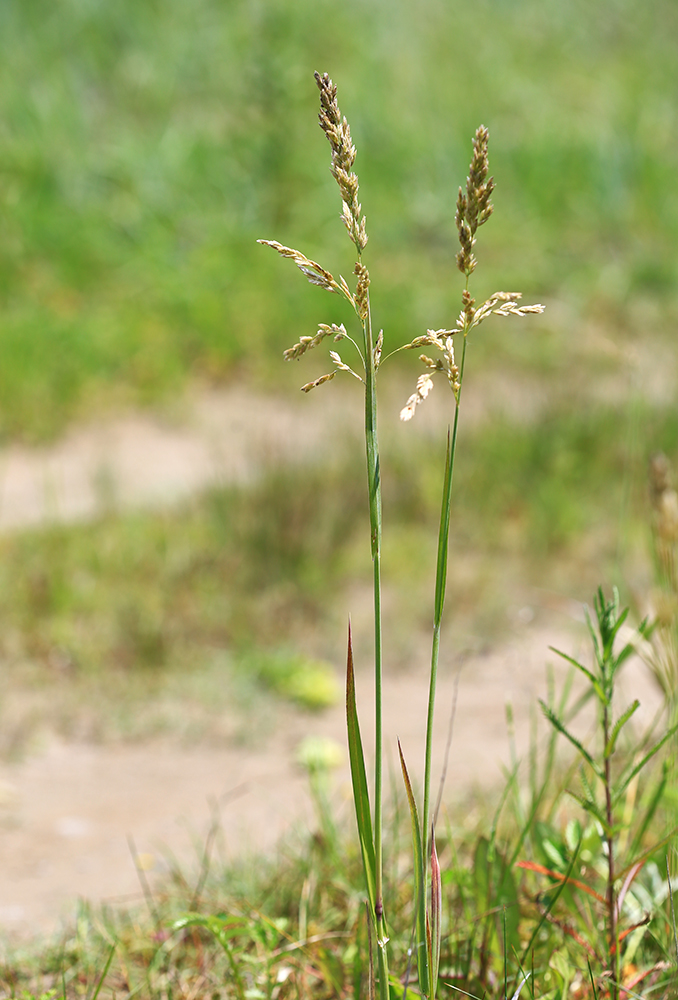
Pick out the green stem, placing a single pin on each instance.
(374, 488)
(441, 583)
(611, 896)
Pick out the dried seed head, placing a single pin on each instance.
(316, 274)
(468, 303)
(318, 381)
(306, 343)
(474, 206)
(504, 304)
(338, 133)
(336, 358)
(378, 348)
(442, 339)
(424, 386)
(418, 342)
(362, 300)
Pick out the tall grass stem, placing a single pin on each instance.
(441, 584)
(374, 489)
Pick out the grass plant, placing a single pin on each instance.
(556, 894)
(474, 208)
(109, 613)
(159, 140)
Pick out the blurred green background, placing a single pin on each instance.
(145, 146)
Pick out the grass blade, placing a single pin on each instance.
(612, 742)
(419, 882)
(361, 795)
(673, 912)
(639, 767)
(108, 965)
(436, 914)
(560, 726)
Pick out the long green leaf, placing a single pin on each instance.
(361, 797)
(436, 915)
(621, 721)
(642, 858)
(651, 809)
(107, 966)
(639, 767)
(419, 883)
(555, 721)
(587, 673)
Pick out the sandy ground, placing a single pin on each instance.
(73, 816)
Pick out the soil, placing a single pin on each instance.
(74, 817)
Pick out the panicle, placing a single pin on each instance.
(307, 343)
(474, 206)
(362, 302)
(338, 133)
(315, 273)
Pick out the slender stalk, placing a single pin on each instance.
(374, 489)
(441, 583)
(609, 837)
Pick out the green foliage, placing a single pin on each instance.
(606, 774)
(160, 140)
(311, 683)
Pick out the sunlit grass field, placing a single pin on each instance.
(145, 146)
(236, 586)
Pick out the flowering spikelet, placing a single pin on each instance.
(424, 386)
(316, 274)
(442, 339)
(318, 381)
(474, 207)
(306, 343)
(362, 301)
(338, 133)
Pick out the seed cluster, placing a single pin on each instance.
(338, 133)
(474, 207)
(362, 302)
(307, 343)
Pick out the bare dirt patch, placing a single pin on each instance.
(68, 811)
(67, 814)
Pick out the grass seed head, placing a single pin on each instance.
(338, 133)
(474, 206)
(315, 273)
(307, 343)
(362, 290)
(318, 381)
(424, 386)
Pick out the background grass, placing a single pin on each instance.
(248, 588)
(143, 149)
(145, 146)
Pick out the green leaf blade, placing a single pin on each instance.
(361, 797)
(419, 882)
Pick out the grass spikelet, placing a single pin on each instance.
(307, 343)
(316, 274)
(338, 133)
(318, 381)
(474, 207)
(424, 386)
